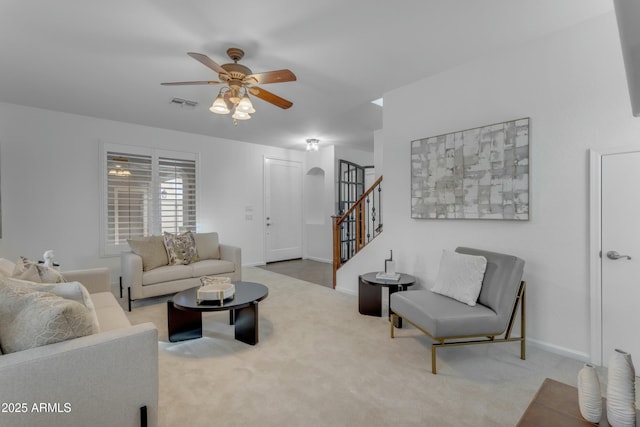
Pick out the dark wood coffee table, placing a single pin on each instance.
(184, 314)
(556, 404)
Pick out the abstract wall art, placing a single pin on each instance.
(479, 173)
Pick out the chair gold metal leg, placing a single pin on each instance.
(433, 359)
(392, 322)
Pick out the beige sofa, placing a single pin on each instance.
(145, 273)
(103, 379)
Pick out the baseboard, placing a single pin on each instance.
(562, 351)
(326, 261)
(254, 264)
(346, 290)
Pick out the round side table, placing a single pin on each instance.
(370, 293)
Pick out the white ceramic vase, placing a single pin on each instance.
(621, 390)
(589, 397)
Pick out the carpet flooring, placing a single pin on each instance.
(320, 363)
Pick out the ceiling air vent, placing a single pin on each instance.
(183, 102)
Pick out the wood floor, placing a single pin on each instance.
(320, 273)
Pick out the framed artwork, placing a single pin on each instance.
(479, 173)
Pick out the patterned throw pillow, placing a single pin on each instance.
(27, 269)
(30, 318)
(69, 290)
(181, 248)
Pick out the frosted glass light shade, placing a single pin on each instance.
(241, 115)
(245, 105)
(219, 106)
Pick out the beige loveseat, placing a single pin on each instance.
(146, 271)
(109, 378)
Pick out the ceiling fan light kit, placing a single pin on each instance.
(239, 81)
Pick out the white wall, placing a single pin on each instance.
(572, 85)
(51, 184)
(378, 152)
(320, 197)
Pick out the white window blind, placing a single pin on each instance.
(177, 195)
(129, 191)
(147, 192)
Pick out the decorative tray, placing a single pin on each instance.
(215, 289)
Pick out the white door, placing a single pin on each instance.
(283, 209)
(620, 262)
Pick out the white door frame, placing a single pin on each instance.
(595, 244)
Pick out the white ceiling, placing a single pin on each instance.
(107, 59)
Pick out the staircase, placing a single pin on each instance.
(359, 225)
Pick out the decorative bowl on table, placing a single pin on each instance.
(215, 289)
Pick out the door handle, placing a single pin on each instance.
(615, 255)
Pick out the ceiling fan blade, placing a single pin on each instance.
(270, 97)
(278, 76)
(205, 60)
(201, 82)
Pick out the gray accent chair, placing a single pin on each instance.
(452, 323)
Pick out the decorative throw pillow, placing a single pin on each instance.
(29, 273)
(74, 291)
(460, 276)
(152, 251)
(6, 268)
(181, 248)
(30, 318)
(27, 269)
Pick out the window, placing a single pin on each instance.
(146, 192)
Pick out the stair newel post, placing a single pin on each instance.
(336, 247)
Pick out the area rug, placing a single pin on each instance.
(320, 363)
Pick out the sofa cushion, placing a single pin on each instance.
(27, 269)
(208, 245)
(460, 276)
(167, 273)
(181, 248)
(152, 251)
(212, 267)
(74, 291)
(110, 314)
(30, 318)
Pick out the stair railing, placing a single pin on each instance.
(359, 225)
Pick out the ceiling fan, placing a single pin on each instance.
(239, 81)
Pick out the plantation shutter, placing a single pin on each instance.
(129, 196)
(145, 192)
(177, 205)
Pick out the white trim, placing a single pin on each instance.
(595, 244)
(253, 264)
(326, 261)
(347, 291)
(555, 349)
